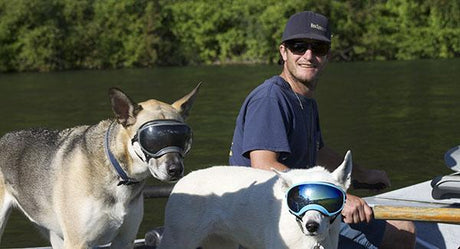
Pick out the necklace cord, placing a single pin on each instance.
(300, 102)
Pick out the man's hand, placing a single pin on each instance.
(362, 177)
(370, 179)
(356, 210)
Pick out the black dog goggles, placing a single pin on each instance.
(320, 196)
(159, 137)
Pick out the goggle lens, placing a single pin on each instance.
(299, 47)
(162, 136)
(324, 197)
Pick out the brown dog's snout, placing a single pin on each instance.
(175, 169)
(173, 166)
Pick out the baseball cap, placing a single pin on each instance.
(307, 25)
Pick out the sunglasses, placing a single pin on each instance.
(159, 137)
(320, 196)
(300, 47)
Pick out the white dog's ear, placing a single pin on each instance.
(287, 182)
(184, 104)
(343, 173)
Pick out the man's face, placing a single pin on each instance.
(304, 60)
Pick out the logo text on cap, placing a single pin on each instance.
(316, 26)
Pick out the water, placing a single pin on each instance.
(396, 116)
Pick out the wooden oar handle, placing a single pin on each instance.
(443, 215)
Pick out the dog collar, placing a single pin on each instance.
(125, 180)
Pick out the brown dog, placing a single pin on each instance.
(83, 185)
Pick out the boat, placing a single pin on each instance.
(415, 200)
(138, 244)
(433, 205)
(436, 220)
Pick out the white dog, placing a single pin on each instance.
(227, 206)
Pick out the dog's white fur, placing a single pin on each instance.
(227, 206)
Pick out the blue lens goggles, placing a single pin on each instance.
(326, 198)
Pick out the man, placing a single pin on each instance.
(278, 127)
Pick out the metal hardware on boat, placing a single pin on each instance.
(446, 187)
(153, 237)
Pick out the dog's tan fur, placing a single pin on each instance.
(64, 182)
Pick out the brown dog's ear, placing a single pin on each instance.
(124, 108)
(184, 104)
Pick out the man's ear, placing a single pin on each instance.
(329, 56)
(123, 107)
(285, 180)
(283, 52)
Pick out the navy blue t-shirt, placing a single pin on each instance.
(274, 118)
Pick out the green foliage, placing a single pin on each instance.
(44, 35)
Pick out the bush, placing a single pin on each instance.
(45, 35)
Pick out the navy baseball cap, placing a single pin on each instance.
(307, 25)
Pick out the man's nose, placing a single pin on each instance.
(308, 53)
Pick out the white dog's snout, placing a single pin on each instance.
(314, 223)
(312, 226)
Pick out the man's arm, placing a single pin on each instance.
(266, 159)
(375, 178)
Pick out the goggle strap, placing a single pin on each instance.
(333, 218)
(163, 151)
(147, 156)
(299, 222)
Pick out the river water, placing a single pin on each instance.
(400, 116)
